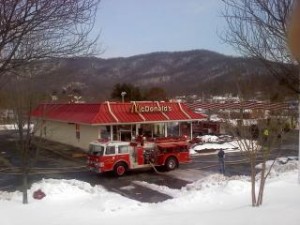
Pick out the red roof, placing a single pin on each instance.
(117, 112)
(239, 105)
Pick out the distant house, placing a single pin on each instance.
(79, 124)
(6, 115)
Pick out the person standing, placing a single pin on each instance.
(266, 134)
(221, 157)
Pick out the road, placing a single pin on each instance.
(60, 166)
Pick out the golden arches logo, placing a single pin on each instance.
(135, 108)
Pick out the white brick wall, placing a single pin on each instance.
(66, 133)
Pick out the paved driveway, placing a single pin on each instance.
(58, 166)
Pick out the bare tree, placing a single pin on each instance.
(257, 139)
(258, 28)
(21, 101)
(39, 29)
(32, 30)
(259, 136)
(257, 142)
(22, 98)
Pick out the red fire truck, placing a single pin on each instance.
(120, 156)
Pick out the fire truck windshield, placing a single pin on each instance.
(96, 150)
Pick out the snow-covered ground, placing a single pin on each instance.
(214, 200)
(12, 127)
(8, 127)
(211, 142)
(228, 146)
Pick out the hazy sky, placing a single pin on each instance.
(131, 27)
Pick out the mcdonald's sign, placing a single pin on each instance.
(135, 108)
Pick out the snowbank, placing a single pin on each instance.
(209, 138)
(212, 142)
(229, 146)
(13, 127)
(8, 127)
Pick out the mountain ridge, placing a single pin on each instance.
(179, 73)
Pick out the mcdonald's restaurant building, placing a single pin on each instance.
(79, 124)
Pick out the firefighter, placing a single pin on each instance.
(221, 157)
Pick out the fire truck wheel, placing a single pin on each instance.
(171, 163)
(120, 169)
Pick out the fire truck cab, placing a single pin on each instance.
(119, 157)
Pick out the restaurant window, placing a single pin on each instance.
(105, 132)
(185, 128)
(159, 130)
(173, 129)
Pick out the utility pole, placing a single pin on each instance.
(123, 93)
(299, 129)
(294, 45)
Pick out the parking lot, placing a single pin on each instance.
(52, 163)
